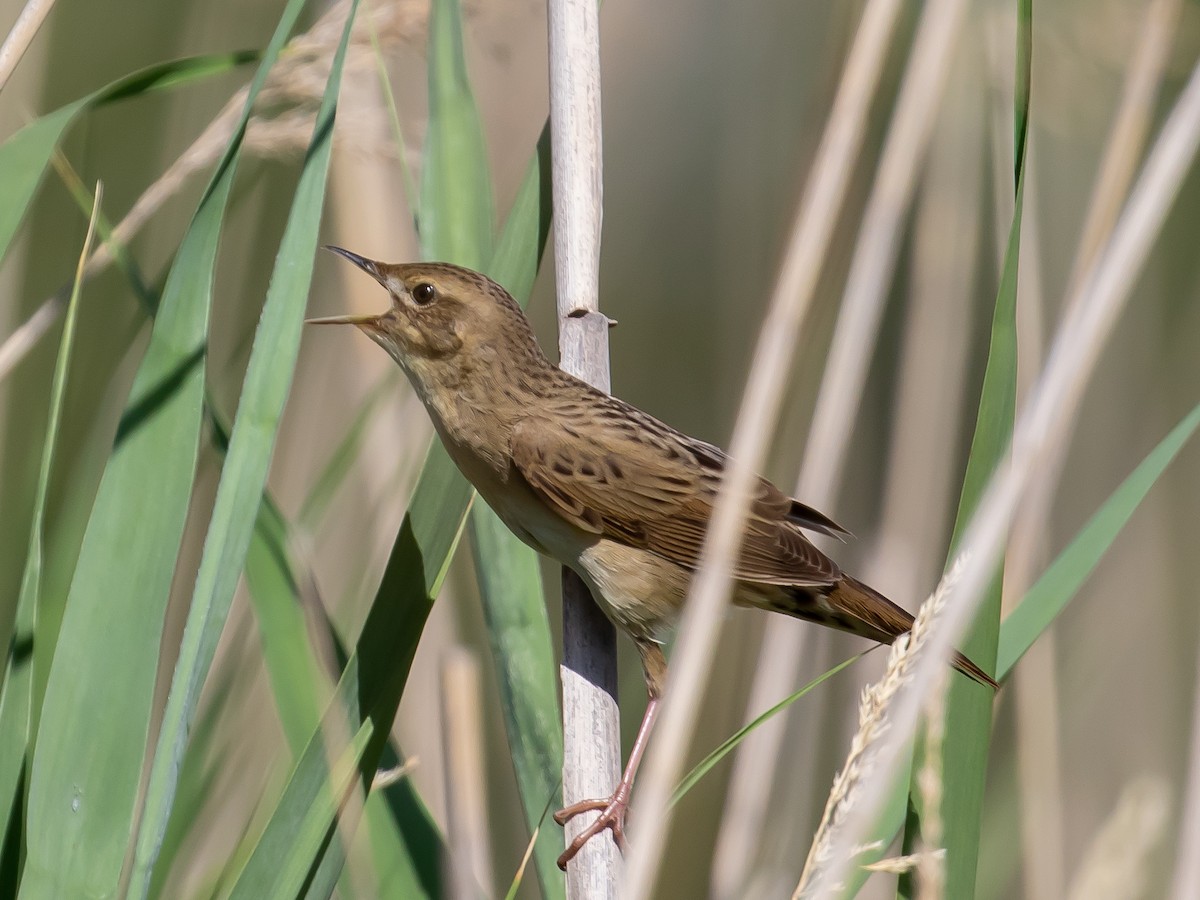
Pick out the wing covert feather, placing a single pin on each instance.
(632, 479)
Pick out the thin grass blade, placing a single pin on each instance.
(969, 705)
(727, 746)
(1052, 592)
(17, 718)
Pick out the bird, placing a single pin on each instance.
(599, 485)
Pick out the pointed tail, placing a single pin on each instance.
(849, 605)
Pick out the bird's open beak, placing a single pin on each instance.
(371, 268)
(344, 320)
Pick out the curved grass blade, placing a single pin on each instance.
(25, 155)
(17, 716)
(727, 746)
(101, 684)
(1062, 580)
(244, 474)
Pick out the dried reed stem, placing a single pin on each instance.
(21, 36)
(470, 862)
(591, 719)
(1185, 882)
(850, 356)
(1042, 424)
(1035, 682)
(789, 304)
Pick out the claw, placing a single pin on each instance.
(612, 817)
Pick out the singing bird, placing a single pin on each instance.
(599, 485)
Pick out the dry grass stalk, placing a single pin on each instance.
(1185, 881)
(840, 394)
(873, 725)
(469, 863)
(1115, 865)
(21, 36)
(931, 861)
(1043, 423)
(792, 297)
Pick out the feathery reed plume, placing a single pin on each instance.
(873, 724)
(1114, 866)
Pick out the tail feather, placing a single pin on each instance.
(849, 605)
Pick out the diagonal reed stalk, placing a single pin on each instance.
(841, 389)
(789, 304)
(1043, 423)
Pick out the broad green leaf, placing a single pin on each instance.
(16, 712)
(101, 683)
(1063, 579)
(455, 218)
(25, 155)
(265, 389)
(296, 851)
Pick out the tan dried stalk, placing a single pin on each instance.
(21, 36)
(838, 402)
(1043, 423)
(792, 297)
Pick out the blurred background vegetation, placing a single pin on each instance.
(712, 112)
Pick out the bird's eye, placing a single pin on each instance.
(424, 293)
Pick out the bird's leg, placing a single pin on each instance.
(612, 809)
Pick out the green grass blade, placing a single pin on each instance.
(727, 746)
(295, 851)
(25, 155)
(455, 217)
(16, 713)
(1063, 579)
(101, 685)
(244, 474)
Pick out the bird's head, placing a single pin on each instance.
(445, 323)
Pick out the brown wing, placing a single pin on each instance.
(637, 481)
